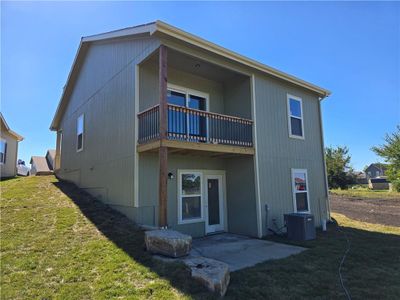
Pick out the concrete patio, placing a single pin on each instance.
(239, 251)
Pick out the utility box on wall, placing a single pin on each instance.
(300, 227)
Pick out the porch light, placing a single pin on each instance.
(170, 175)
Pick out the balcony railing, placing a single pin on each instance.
(194, 125)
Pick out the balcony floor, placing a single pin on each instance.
(195, 148)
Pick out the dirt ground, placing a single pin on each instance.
(378, 211)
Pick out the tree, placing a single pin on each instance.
(338, 167)
(390, 151)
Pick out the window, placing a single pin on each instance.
(80, 129)
(3, 151)
(190, 197)
(295, 117)
(300, 190)
(378, 174)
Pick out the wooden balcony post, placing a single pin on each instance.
(163, 151)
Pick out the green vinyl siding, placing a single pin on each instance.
(278, 153)
(104, 92)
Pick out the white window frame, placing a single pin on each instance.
(83, 132)
(187, 92)
(294, 191)
(180, 196)
(5, 151)
(302, 137)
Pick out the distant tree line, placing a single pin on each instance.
(390, 152)
(340, 173)
(338, 168)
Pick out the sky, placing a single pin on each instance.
(350, 48)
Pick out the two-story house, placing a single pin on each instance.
(375, 170)
(175, 131)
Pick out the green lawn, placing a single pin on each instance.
(364, 192)
(57, 243)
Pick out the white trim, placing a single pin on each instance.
(328, 205)
(289, 115)
(83, 131)
(197, 220)
(187, 91)
(136, 135)
(294, 192)
(222, 204)
(256, 164)
(140, 29)
(5, 150)
(213, 48)
(170, 31)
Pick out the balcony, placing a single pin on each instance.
(192, 130)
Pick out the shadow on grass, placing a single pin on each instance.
(371, 270)
(128, 237)
(9, 178)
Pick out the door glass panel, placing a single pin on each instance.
(197, 124)
(213, 202)
(176, 120)
(176, 98)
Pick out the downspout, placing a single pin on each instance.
(323, 155)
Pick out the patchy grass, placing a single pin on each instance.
(371, 270)
(57, 243)
(53, 247)
(362, 192)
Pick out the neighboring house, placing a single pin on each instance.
(375, 170)
(8, 150)
(175, 131)
(41, 165)
(361, 178)
(50, 158)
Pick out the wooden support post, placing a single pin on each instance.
(163, 151)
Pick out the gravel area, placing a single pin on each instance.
(378, 211)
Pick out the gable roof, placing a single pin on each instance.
(159, 27)
(379, 166)
(8, 129)
(41, 164)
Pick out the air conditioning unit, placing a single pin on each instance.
(300, 227)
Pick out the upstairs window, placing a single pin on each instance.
(295, 117)
(3, 150)
(300, 190)
(80, 129)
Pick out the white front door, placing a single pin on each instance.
(214, 203)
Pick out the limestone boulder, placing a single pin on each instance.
(168, 242)
(212, 273)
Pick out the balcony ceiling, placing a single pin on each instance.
(195, 66)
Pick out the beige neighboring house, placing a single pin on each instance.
(40, 166)
(8, 150)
